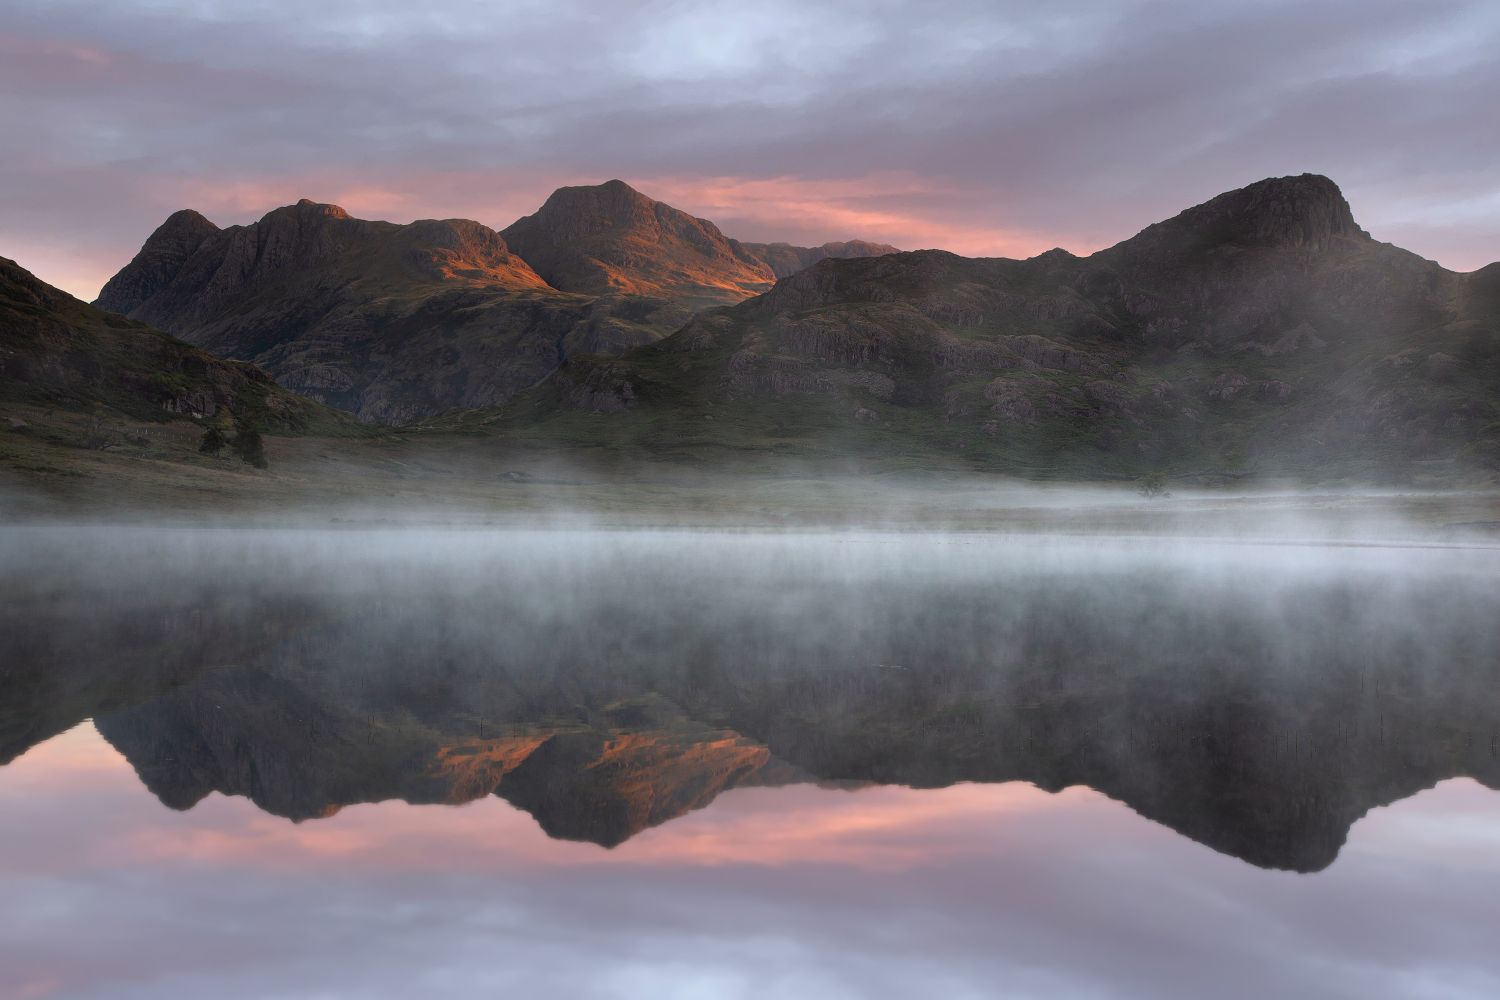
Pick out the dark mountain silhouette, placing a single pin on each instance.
(56, 351)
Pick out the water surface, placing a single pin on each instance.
(368, 763)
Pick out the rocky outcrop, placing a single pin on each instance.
(1307, 212)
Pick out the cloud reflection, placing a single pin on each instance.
(768, 892)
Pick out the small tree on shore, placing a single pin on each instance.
(1152, 486)
(247, 444)
(213, 442)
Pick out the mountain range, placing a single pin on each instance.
(398, 322)
(1263, 330)
(1260, 332)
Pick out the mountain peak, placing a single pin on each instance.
(1304, 212)
(157, 263)
(603, 238)
(584, 210)
(185, 220)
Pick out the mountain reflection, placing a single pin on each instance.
(1256, 698)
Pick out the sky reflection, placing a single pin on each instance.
(795, 891)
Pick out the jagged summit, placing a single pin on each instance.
(184, 221)
(332, 305)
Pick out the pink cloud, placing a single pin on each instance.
(877, 207)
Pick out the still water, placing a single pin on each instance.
(393, 763)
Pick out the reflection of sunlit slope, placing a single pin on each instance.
(473, 768)
(583, 784)
(263, 737)
(635, 780)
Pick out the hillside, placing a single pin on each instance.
(1262, 331)
(62, 354)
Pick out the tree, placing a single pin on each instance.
(249, 447)
(1153, 485)
(213, 441)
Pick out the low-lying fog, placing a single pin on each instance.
(1257, 694)
(1146, 666)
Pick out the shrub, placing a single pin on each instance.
(214, 441)
(248, 445)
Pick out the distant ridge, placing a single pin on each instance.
(785, 259)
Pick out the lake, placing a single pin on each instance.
(402, 761)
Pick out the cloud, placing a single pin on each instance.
(991, 128)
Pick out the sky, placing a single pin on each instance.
(987, 128)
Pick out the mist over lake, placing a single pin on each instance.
(583, 734)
